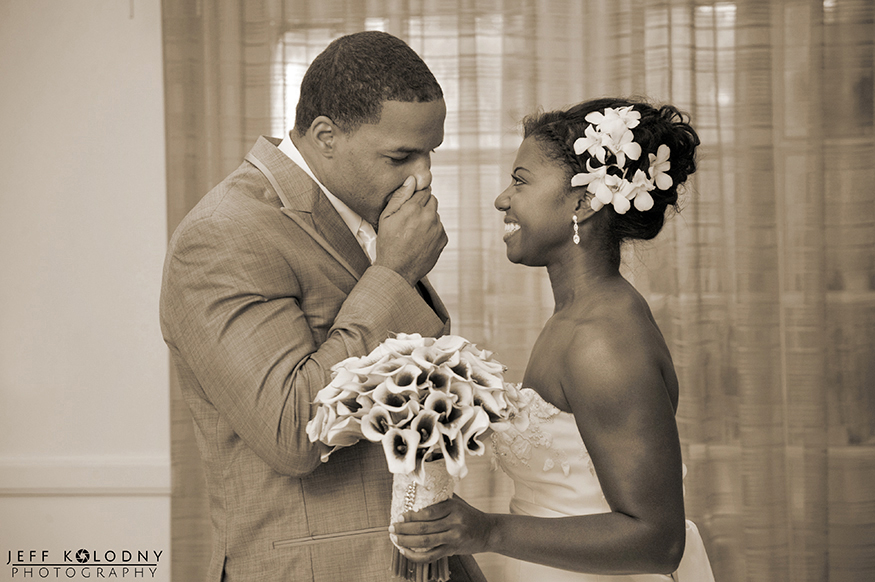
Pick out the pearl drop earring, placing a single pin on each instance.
(576, 237)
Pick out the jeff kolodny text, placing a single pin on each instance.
(83, 563)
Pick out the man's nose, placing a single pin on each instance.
(422, 172)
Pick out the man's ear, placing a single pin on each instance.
(323, 134)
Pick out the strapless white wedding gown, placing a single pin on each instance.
(554, 477)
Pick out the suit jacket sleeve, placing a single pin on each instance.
(232, 313)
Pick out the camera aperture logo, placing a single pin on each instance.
(84, 564)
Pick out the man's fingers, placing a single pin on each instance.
(399, 197)
(426, 195)
(421, 197)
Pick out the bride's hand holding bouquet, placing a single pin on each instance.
(429, 402)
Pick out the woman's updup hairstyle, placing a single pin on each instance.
(557, 132)
(349, 81)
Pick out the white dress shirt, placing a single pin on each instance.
(359, 227)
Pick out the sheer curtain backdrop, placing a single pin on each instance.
(764, 284)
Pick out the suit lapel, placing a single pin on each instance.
(305, 203)
(331, 226)
(435, 302)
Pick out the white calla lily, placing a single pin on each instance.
(426, 424)
(424, 455)
(362, 366)
(343, 433)
(386, 367)
(348, 407)
(376, 423)
(483, 367)
(430, 357)
(318, 426)
(463, 390)
(451, 343)
(342, 383)
(473, 429)
(329, 395)
(439, 401)
(404, 380)
(391, 401)
(450, 417)
(399, 445)
(403, 344)
(485, 400)
(485, 355)
(453, 450)
(460, 371)
(438, 379)
(365, 403)
(481, 376)
(347, 364)
(452, 424)
(343, 401)
(400, 418)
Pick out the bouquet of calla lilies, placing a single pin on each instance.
(429, 402)
(423, 398)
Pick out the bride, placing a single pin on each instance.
(596, 464)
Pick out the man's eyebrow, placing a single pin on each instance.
(412, 150)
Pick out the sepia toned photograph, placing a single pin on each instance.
(437, 290)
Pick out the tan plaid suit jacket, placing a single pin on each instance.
(255, 311)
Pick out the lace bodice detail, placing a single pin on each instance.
(543, 453)
(513, 447)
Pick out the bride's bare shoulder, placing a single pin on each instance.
(621, 315)
(615, 346)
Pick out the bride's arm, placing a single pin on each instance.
(615, 389)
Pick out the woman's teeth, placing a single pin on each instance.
(510, 228)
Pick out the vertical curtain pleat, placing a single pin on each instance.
(764, 284)
(848, 37)
(758, 311)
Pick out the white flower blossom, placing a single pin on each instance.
(659, 165)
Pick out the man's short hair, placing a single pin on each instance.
(349, 81)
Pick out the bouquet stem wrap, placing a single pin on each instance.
(410, 495)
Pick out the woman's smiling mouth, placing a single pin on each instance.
(509, 229)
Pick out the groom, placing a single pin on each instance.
(276, 275)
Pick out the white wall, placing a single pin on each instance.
(84, 405)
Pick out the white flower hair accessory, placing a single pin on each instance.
(610, 133)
